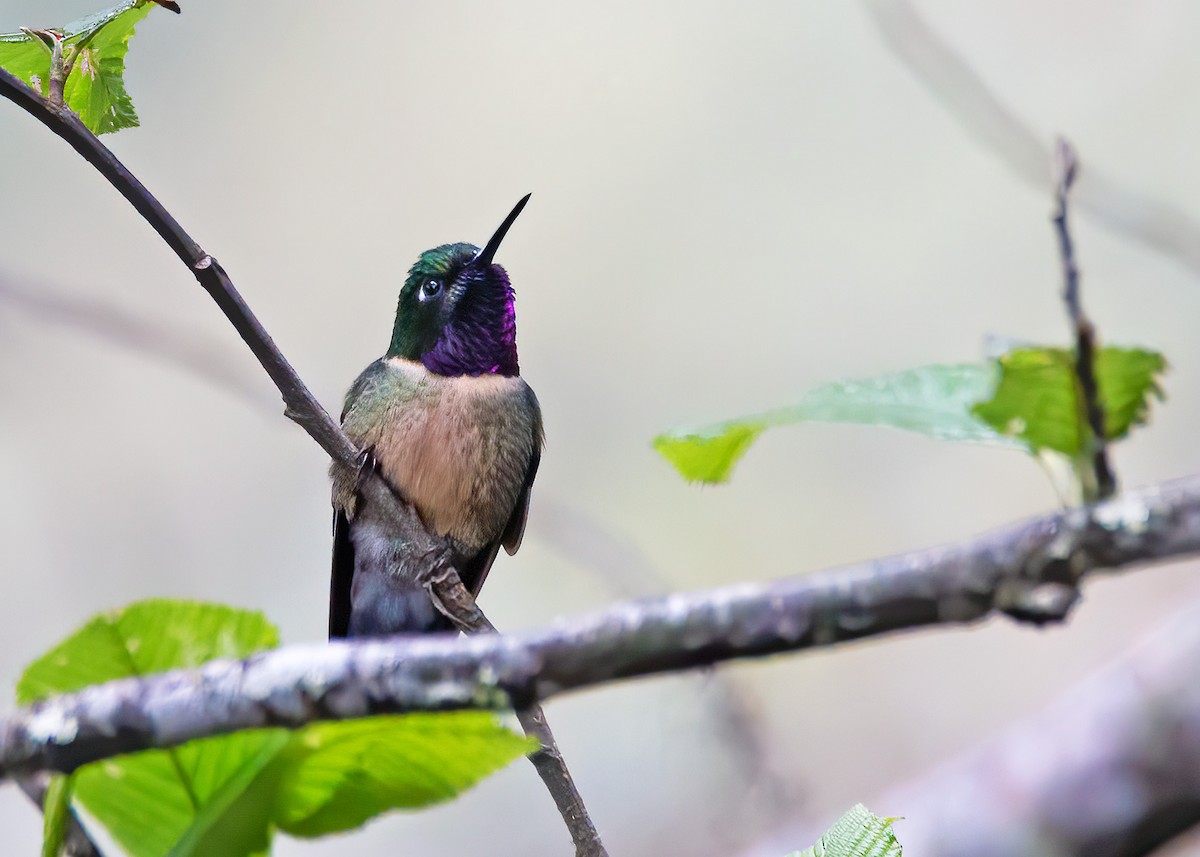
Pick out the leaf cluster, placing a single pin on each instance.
(1028, 399)
(227, 795)
(858, 833)
(91, 54)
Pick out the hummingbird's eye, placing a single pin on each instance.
(430, 289)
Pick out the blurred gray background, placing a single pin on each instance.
(731, 203)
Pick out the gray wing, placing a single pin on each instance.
(341, 577)
(475, 572)
(514, 531)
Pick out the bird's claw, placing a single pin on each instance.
(367, 464)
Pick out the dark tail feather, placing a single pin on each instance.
(341, 577)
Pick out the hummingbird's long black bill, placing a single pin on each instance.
(485, 255)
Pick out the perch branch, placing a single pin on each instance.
(300, 405)
(1028, 571)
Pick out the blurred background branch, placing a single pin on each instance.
(962, 91)
(1111, 768)
(171, 344)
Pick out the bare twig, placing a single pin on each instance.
(1027, 571)
(299, 403)
(1100, 483)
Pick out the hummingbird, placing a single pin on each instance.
(446, 419)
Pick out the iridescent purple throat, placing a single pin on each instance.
(481, 340)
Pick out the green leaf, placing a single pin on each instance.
(338, 775)
(1127, 378)
(21, 55)
(858, 833)
(56, 819)
(147, 637)
(177, 801)
(225, 795)
(150, 802)
(1036, 400)
(236, 817)
(934, 400)
(1039, 401)
(95, 88)
(709, 455)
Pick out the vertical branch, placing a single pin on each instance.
(452, 598)
(78, 843)
(1100, 482)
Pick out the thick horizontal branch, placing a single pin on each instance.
(1028, 571)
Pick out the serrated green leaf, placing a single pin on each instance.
(1036, 400)
(95, 88)
(934, 401)
(22, 56)
(336, 776)
(225, 795)
(858, 833)
(151, 802)
(1127, 379)
(56, 814)
(1039, 401)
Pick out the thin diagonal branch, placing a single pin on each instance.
(300, 405)
(1066, 166)
(452, 598)
(1027, 571)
